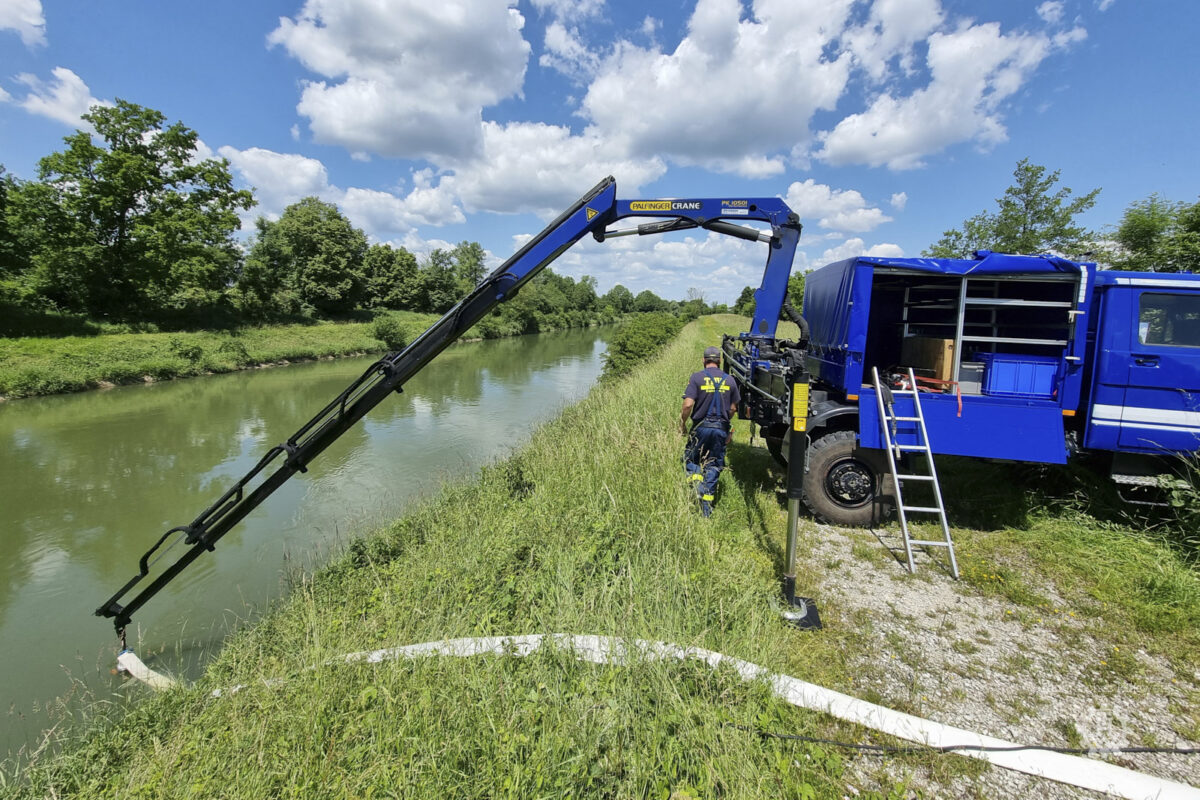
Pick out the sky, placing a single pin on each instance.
(881, 122)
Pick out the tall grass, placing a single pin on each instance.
(590, 529)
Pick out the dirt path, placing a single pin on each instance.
(940, 649)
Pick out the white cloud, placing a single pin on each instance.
(203, 152)
(532, 166)
(4, 96)
(835, 209)
(893, 29)
(66, 98)
(26, 18)
(974, 69)
(739, 92)
(405, 78)
(566, 53)
(899, 200)
(280, 179)
(568, 9)
(669, 265)
(1067, 38)
(853, 248)
(885, 250)
(735, 95)
(421, 247)
(1104, 5)
(1051, 11)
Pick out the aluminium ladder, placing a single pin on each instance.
(888, 419)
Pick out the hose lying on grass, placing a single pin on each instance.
(1085, 773)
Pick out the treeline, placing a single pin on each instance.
(1038, 215)
(130, 225)
(745, 302)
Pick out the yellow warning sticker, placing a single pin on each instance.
(650, 205)
(591, 213)
(799, 406)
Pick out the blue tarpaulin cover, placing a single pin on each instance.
(837, 301)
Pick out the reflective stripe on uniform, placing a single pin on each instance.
(706, 497)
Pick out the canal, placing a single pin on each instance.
(89, 481)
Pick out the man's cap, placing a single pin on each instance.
(712, 353)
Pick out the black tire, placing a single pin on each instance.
(841, 487)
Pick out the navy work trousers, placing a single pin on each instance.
(704, 458)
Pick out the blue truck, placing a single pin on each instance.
(1024, 358)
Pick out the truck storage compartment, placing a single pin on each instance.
(991, 334)
(1010, 375)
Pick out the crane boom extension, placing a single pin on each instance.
(590, 214)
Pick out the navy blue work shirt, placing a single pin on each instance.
(714, 393)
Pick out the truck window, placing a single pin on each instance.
(1170, 319)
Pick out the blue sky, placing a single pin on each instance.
(883, 123)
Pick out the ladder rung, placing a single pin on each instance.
(904, 419)
(915, 477)
(923, 509)
(912, 447)
(929, 544)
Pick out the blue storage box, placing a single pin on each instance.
(1009, 375)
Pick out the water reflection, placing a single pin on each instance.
(88, 481)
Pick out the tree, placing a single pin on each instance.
(795, 289)
(647, 300)
(393, 278)
(469, 266)
(1156, 235)
(10, 264)
(620, 298)
(439, 284)
(582, 296)
(133, 223)
(312, 255)
(693, 305)
(745, 302)
(1032, 217)
(1182, 249)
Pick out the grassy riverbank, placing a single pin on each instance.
(34, 366)
(590, 529)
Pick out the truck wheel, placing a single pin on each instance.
(839, 487)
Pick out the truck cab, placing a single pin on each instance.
(1144, 390)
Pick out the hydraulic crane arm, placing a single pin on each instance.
(590, 214)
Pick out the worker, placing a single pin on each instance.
(710, 401)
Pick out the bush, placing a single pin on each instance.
(234, 351)
(188, 351)
(639, 339)
(388, 330)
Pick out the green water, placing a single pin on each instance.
(88, 482)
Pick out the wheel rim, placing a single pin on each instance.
(850, 483)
